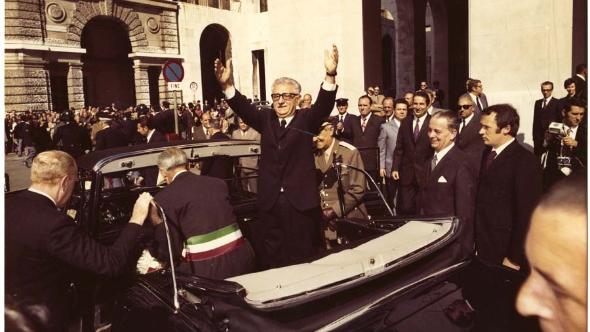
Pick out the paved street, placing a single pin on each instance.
(19, 174)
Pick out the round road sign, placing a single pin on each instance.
(173, 71)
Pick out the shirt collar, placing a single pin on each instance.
(44, 194)
(175, 175)
(582, 77)
(330, 149)
(467, 119)
(287, 119)
(367, 117)
(430, 109)
(503, 146)
(441, 154)
(149, 135)
(397, 122)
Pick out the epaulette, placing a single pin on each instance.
(347, 145)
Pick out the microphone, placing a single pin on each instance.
(172, 270)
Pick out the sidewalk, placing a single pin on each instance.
(19, 175)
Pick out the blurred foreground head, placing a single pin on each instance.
(556, 248)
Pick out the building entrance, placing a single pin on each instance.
(107, 70)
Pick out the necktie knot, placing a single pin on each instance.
(283, 123)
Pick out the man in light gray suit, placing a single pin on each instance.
(387, 140)
(475, 90)
(248, 165)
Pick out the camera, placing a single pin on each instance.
(557, 128)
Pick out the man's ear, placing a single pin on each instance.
(506, 129)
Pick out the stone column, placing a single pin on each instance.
(75, 85)
(26, 82)
(142, 85)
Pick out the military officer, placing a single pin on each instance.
(329, 150)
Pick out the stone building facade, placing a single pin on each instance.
(43, 46)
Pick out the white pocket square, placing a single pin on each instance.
(442, 179)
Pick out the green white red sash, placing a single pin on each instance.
(206, 246)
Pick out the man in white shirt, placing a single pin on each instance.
(475, 90)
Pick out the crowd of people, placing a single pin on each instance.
(431, 161)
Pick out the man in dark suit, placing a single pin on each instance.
(469, 139)
(146, 129)
(70, 137)
(111, 136)
(288, 200)
(570, 87)
(447, 184)
(203, 227)
(546, 111)
(221, 167)
(45, 248)
(580, 79)
(570, 143)
(412, 150)
(343, 121)
(365, 132)
(201, 132)
(510, 185)
(475, 90)
(387, 140)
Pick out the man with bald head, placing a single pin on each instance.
(556, 247)
(288, 200)
(45, 247)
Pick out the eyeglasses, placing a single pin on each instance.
(546, 90)
(286, 96)
(465, 107)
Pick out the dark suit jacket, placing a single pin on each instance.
(409, 157)
(366, 141)
(449, 190)
(346, 133)
(542, 118)
(471, 143)
(110, 138)
(198, 205)
(221, 167)
(552, 173)
(507, 194)
(199, 134)
(157, 136)
(44, 248)
(72, 139)
(581, 86)
(287, 157)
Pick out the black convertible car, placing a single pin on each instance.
(395, 274)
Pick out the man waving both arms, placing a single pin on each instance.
(288, 200)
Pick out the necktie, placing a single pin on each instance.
(489, 159)
(342, 118)
(417, 129)
(479, 104)
(283, 125)
(433, 162)
(544, 103)
(462, 125)
(363, 124)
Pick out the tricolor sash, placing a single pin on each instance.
(213, 244)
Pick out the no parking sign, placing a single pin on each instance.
(173, 71)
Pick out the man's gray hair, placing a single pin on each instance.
(287, 80)
(171, 158)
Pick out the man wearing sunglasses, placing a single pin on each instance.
(469, 139)
(288, 199)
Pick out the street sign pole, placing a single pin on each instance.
(175, 114)
(173, 73)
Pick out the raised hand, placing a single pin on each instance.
(223, 73)
(331, 60)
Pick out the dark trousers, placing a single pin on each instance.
(285, 235)
(391, 186)
(406, 202)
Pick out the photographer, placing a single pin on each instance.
(566, 144)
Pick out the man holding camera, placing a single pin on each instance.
(566, 144)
